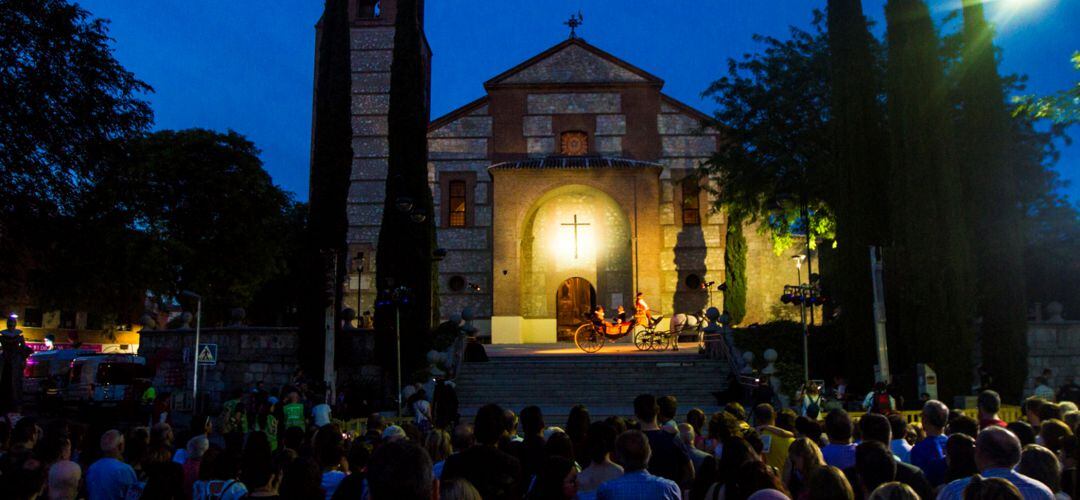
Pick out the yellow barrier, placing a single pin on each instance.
(358, 426)
(1007, 413)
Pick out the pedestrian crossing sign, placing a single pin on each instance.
(207, 354)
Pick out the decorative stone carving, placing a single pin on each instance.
(748, 358)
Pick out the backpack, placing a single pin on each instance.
(881, 403)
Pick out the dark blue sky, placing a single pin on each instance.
(247, 64)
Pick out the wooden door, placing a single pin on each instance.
(575, 298)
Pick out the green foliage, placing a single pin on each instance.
(860, 173)
(325, 256)
(774, 112)
(404, 253)
(1061, 107)
(928, 264)
(735, 270)
(992, 202)
(66, 105)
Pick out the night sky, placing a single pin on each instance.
(247, 65)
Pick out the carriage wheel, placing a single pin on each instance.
(642, 338)
(588, 339)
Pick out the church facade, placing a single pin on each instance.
(570, 182)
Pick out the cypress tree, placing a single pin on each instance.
(860, 170)
(735, 269)
(406, 238)
(992, 204)
(331, 163)
(931, 306)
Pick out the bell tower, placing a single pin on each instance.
(371, 57)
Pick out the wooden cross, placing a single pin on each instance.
(575, 224)
(574, 22)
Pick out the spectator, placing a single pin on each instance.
(963, 424)
(1069, 391)
(196, 448)
(840, 452)
(557, 480)
(263, 478)
(757, 480)
(722, 426)
(577, 428)
(353, 485)
(829, 483)
(1052, 433)
(899, 444)
(633, 452)
(64, 477)
(960, 457)
(1042, 465)
(874, 466)
(301, 479)
(1070, 476)
(1050, 410)
(495, 474)
(686, 440)
(512, 426)
(558, 444)
(879, 400)
(669, 460)
(876, 427)
(1023, 431)
(810, 429)
(164, 478)
(330, 454)
(894, 491)
(696, 418)
(736, 410)
(991, 489)
(989, 404)
(929, 454)
(804, 457)
(997, 451)
(109, 477)
(1031, 409)
(774, 439)
(531, 452)
(403, 471)
(457, 489)
(600, 468)
(437, 444)
(222, 480)
(667, 406)
(1043, 389)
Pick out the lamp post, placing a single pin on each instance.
(396, 297)
(195, 350)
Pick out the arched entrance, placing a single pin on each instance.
(575, 298)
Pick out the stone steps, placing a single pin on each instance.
(606, 384)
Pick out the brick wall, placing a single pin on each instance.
(1053, 345)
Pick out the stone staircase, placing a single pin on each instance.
(607, 384)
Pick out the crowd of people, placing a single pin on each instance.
(277, 446)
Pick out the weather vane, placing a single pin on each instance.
(574, 22)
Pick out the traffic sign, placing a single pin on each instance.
(207, 354)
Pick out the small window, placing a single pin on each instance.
(693, 282)
(457, 283)
(574, 143)
(457, 203)
(32, 317)
(691, 202)
(67, 320)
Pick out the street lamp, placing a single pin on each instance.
(359, 261)
(195, 350)
(396, 297)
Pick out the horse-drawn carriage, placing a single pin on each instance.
(593, 333)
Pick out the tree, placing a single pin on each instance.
(204, 211)
(992, 204)
(407, 237)
(774, 112)
(65, 102)
(331, 166)
(860, 169)
(735, 269)
(1061, 107)
(930, 312)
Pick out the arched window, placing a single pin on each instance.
(574, 143)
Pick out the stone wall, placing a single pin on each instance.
(1053, 345)
(246, 356)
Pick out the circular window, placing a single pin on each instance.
(693, 282)
(457, 283)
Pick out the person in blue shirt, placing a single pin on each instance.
(929, 454)
(997, 451)
(632, 452)
(110, 478)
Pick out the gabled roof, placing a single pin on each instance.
(573, 61)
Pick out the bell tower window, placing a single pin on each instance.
(574, 143)
(691, 202)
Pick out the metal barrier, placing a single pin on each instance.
(1007, 413)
